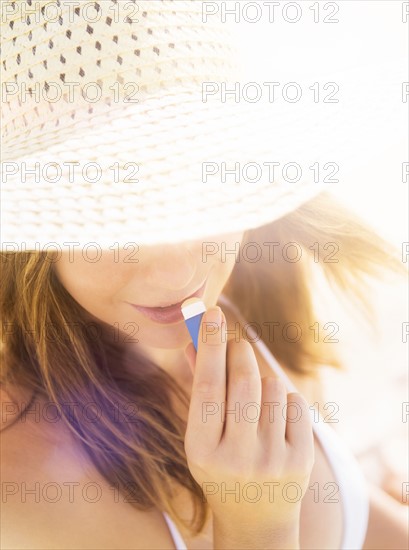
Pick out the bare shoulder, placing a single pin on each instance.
(53, 497)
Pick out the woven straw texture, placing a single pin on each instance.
(143, 162)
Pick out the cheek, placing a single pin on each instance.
(93, 285)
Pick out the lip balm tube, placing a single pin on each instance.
(192, 311)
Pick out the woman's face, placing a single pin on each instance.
(150, 276)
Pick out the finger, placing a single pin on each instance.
(299, 431)
(190, 353)
(243, 392)
(205, 423)
(272, 424)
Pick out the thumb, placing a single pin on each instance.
(190, 353)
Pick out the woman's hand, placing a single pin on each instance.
(248, 443)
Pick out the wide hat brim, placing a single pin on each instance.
(169, 169)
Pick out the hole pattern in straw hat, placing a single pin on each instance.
(140, 55)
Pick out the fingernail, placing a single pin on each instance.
(214, 315)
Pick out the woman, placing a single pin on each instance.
(124, 382)
(116, 434)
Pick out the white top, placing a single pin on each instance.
(353, 489)
(177, 538)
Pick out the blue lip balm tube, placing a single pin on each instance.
(192, 311)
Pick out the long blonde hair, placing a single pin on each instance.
(46, 349)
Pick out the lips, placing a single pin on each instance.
(169, 314)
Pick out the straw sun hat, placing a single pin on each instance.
(109, 137)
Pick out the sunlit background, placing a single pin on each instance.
(366, 53)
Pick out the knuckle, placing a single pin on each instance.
(245, 380)
(302, 465)
(274, 383)
(241, 467)
(205, 387)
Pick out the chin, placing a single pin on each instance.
(168, 336)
